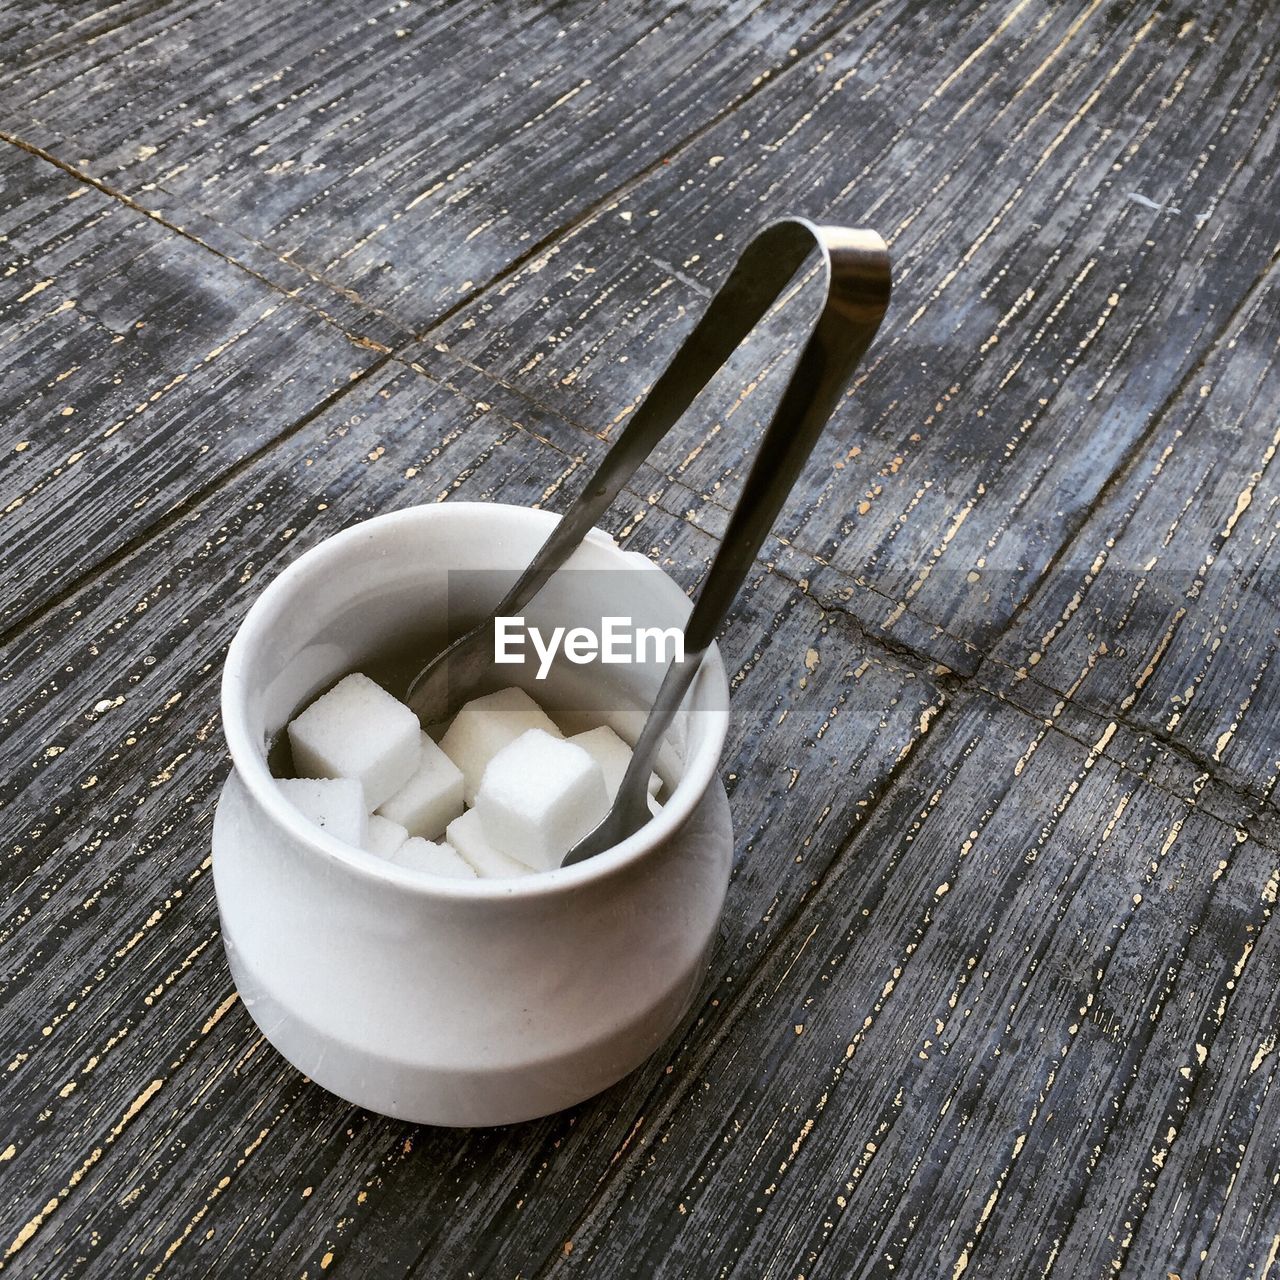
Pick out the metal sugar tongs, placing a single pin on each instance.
(856, 281)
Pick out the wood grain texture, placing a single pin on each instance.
(1166, 614)
(405, 152)
(995, 991)
(56, 26)
(137, 369)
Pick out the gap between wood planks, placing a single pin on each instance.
(953, 683)
(40, 153)
(178, 512)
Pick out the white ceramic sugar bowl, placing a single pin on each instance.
(445, 1001)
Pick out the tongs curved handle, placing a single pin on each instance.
(856, 281)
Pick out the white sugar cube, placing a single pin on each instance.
(484, 726)
(357, 730)
(613, 756)
(467, 837)
(336, 805)
(539, 796)
(437, 859)
(432, 797)
(384, 836)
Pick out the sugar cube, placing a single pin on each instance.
(484, 726)
(437, 859)
(432, 797)
(336, 805)
(467, 837)
(358, 730)
(538, 797)
(613, 756)
(384, 836)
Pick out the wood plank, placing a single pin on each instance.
(56, 25)
(1153, 758)
(914, 1083)
(110, 931)
(1164, 614)
(407, 155)
(1248, 1217)
(1202, 1197)
(1043, 313)
(137, 369)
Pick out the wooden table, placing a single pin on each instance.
(998, 983)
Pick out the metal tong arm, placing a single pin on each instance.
(855, 269)
(855, 266)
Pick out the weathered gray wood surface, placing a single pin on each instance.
(996, 989)
(145, 368)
